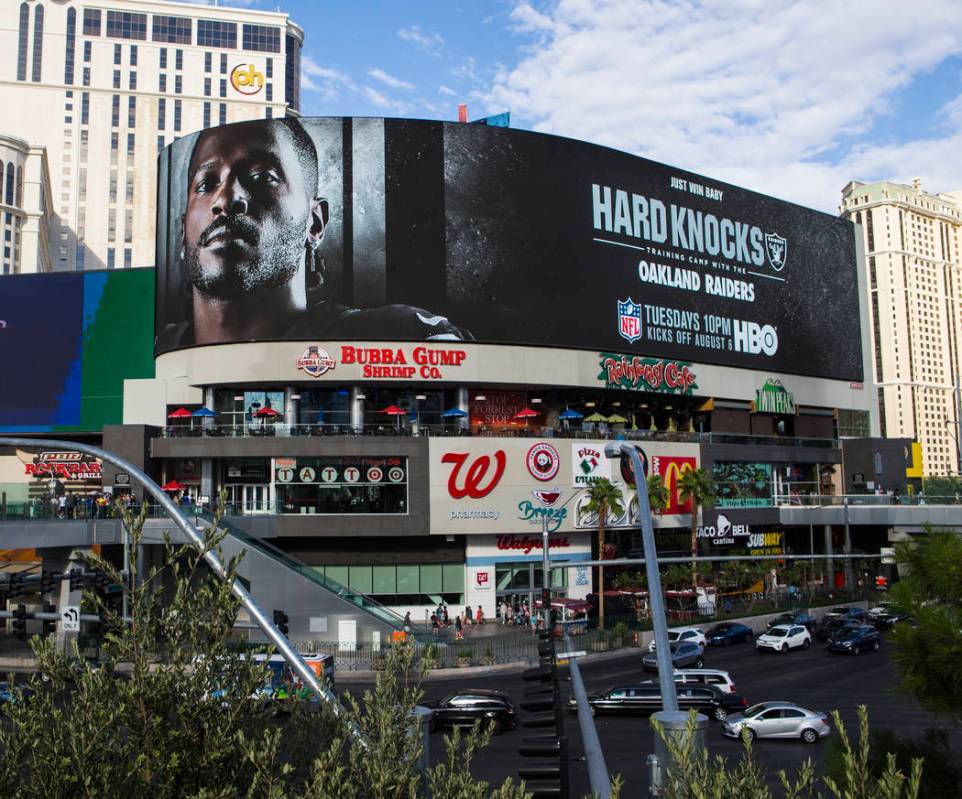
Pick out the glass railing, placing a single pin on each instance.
(284, 430)
(362, 601)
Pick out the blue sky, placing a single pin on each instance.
(790, 98)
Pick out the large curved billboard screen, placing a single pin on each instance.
(398, 230)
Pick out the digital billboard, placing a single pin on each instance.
(399, 230)
(67, 342)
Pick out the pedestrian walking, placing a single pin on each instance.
(479, 616)
(444, 615)
(458, 629)
(407, 622)
(468, 615)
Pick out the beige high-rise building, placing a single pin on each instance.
(914, 263)
(103, 86)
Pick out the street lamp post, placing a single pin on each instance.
(546, 569)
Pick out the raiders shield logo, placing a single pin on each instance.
(629, 320)
(777, 249)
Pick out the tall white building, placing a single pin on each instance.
(103, 86)
(914, 262)
(26, 219)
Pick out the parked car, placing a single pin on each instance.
(682, 654)
(885, 606)
(729, 632)
(886, 621)
(807, 621)
(855, 640)
(778, 720)
(845, 613)
(646, 698)
(683, 634)
(463, 708)
(833, 626)
(13, 693)
(784, 637)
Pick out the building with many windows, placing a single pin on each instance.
(26, 219)
(914, 281)
(105, 86)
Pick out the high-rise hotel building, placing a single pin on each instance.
(914, 263)
(104, 86)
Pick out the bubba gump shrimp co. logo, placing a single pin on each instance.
(315, 361)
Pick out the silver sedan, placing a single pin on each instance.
(778, 720)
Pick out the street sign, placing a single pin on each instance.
(566, 655)
(70, 618)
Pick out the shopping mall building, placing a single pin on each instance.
(398, 348)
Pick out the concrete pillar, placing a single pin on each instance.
(208, 421)
(829, 563)
(357, 409)
(207, 480)
(291, 406)
(463, 404)
(675, 725)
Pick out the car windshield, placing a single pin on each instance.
(754, 710)
(778, 632)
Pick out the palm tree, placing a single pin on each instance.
(698, 487)
(603, 498)
(658, 495)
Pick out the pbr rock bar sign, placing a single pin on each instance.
(66, 465)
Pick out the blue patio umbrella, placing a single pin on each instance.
(205, 412)
(567, 413)
(454, 413)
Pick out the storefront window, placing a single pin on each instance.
(325, 407)
(239, 408)
(341, 485)
(427, 584)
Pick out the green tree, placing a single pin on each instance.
(698, 487)
(658, 495)
(603, 498)
(928, 652)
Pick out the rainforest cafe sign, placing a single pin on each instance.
(655, 375)
(526, 543)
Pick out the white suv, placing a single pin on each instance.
(683, 635)
(715, 677)
(783, 637)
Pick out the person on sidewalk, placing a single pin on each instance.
(458, 629)
(468, 618)
(479, 616)
(407, 622)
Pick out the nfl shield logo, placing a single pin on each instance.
(629, 319)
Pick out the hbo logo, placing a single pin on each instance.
(753, 338)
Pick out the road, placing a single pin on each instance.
(812, 678)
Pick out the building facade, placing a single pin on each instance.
(26, 218)
(914, 279)
(105, 86)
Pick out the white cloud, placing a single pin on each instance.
(381, 100)
(324, 80)
(446, 91)
(389, 80)
(430, 42)
(774, 95)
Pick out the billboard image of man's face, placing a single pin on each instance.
(251, 210)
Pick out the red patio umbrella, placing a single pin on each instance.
(180, 413)
(173, 485)
(526, 413)
(394, 410)
(266, 412)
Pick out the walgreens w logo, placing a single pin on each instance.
(471, 485)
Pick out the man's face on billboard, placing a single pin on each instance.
(249, 211)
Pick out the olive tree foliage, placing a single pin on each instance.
(928, 651)
(694, 774)
(168, 711)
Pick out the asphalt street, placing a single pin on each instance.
(813, 679)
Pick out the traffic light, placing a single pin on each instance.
(20, 622)
(280, 621)
(548, 778)
(49, 581)
(49, 625)
(15, 588)
(77, 581)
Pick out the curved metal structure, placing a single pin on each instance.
(276, 637)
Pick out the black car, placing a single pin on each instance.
(464, 708)
(729, 632)
(646, 698)
(683, 655)
(830, 627)
(855, 640)
(807, 621)
(846, 613)
(887, 620)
